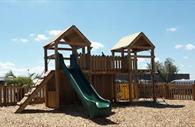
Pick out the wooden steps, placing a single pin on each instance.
(32, 93)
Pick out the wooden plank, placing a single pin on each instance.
(52, 48)
(53, 57)
(1, 95)
(26, 100)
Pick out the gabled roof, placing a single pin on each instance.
(137, 41)
(71, 36)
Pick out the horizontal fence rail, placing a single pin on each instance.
(168, 91)
(10, 95)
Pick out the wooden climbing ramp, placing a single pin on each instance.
(32, 93)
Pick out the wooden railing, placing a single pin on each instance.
(10, 95)
(102, 63)
(180, 92)
(146, 90)
(168, 91)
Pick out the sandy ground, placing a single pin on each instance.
(141, 114)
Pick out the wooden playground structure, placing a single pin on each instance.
(101, 70)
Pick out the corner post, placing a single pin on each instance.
(114, 76)
(193, 92)
(89, 63)
(130, 74)
(45, 58)
(46, 69)
(152, 74)
(57, 82)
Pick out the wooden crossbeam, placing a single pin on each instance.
(69, 49)
(53, 57)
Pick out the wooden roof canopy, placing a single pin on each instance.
(71, 36)
(136, 42)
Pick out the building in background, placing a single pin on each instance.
(2, 80)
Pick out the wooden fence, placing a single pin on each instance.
(168, 91)
(10, 95)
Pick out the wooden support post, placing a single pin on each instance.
(89, 63)
(166, 88)
(45, 58)
(57, 77)
(113, 53)
(113, 81)
(46, 69)
(4, 95)
(83, 50)
(122, 60)
(74, 51)
(130, 74)
(88, 50)
(193, 92)
(152, 74)
(135, 74)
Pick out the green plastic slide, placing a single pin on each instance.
(91, 100)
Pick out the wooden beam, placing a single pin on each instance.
(113, 53)
(141, 47)
(152, 74)
(52, 48)
(53, 57)
(83, 50)
(45, 59)
(143, 56)
(57, 77)
(130, 74)
(89, 50)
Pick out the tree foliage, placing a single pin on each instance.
(11, 79)
(165, 69)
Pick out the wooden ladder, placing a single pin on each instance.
(33, 92)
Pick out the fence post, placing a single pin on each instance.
(166, 87)
(4, 95)
(193, 92)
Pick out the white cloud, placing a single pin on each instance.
(141, 59)
(171, 29)
(96, 45)
(36, 69)
(40, 37)
(9, 66)
(54, 32)
(23, 40)
(178, 46)
(189, 46)
(6, 65)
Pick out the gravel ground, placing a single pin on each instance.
(175, 113)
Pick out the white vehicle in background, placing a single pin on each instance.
(183, 82)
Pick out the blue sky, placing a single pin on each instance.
(27, 26)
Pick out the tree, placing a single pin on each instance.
(165, 70)
(11, 79)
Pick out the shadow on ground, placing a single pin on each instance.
(149, 104)
(73, 110)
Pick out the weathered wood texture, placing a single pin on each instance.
(102, 84)
(102, 63)
(168, 91)
(10, 95)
